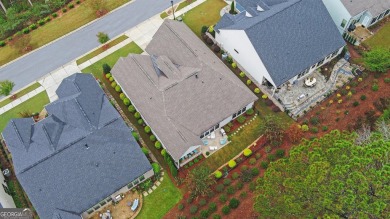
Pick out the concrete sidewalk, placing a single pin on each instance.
(21, 100)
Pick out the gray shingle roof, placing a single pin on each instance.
(182, 89)
(375, 7)
(291, 36)
(77, 156)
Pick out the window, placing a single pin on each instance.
(236, 51)
(243, 109)
(343, 23)
(90, 211)
(102, 203)
(202, 136)
(96, 207)
(135, 182)
(234, 115)
(108, 199)
(217, 126)
(130, 185)
(142, 178)
(387, 12)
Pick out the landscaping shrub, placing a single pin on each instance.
(193, 209)
(190, 199)
(111, 79)
(219, 188)
(131, 109)
(234, 65)
(196, 160)
(252, 186)
(164, 152)
(230, 190)
(135, 135)
(70, 6)
(241, 119)
(207, 153)
(33, 26)
(227, 129)
(227, 181)
(242, 74)
(305, 128)
(122, 96)
(255, 171)
(180, 207)
(243, 195)
(204, 214)
(64, 10)
(2, 43)
(314, 130)
(387, 80)
(216, 48)
(356, 103)
(314, 120)
(106, 68)
(250, 112)
(54, 15)
(26, 30)
(147, 129)
(218, 174)
(268, 149)
(226, 210)
(258, 156)
(191, 163)
(140, 121)
(204, 29)
(152, 138)
(126, 101)
(157, 144)
(234, 203)
(363, 97)
(235, 175)
(271, 157)
(156, 168)
(202, 202)
(212, 207)
(280, 153)
(41, 22)
(222, 198)
(113, 84)
(252, 161)
(102, 37)
(209, 41)
(244, 167)
(239, 185)
(247, 152)
(118, 89)
(217, 216)
(145, 150)
(248, 82)
(78, 2)
(232, 164)
(324, 128)
(137, 115)
(375, 87)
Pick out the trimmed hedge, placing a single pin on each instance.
(250, 112)
(241, 119)
(145, 150)
(218, 174)
(247, 152)
(232, 164)
(126, 101)
(118, 89)
(113, 84)
(147, 129)
(152, 138)
(157, 144)
(137, 115)
(122, 96)
(257, 90)
(234, 203)
(135, 135)
(156, 168)
(140, 121)
(131, 109)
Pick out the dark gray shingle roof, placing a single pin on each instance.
(291, 36)
(191, 92)
(77, 156)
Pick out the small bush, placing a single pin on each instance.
(41, 22)
(207, 153)
(235, 175)
(78, 2)
(271, 157)
(33, 26)
(226, 210)
(135, 135)
(2, 43)
(219, 188)
(145, 150)
(241, 119)
(157, 144)
(305, 128)
(147, 129)
(131, 109)
(190, 199)
(314, 120)
(64, 10)
(257, 90)
(258, 156)
(242, 74)
(54, 15)
(387, 80)
(202, 202)
(118, 89)
(239, 185)
(248, 82)
(113, 84)
(232, 164)
(252, 186)
(216, 48)
(252, 161)
(137, 115)
(222, 198)
(209, 41)
(156, 168)
(250, 112)
(230, 190)
(111, 79)
(180, 207)
(247, 152)
(218, 174)
(126, 101)
(280, 153)
(152, 138)
(163, 152)
(70, 6)
(217, 216)
(244, 167)
(26, 30)
(227, 181)
(363, 97)
(375, 87)
(106, 68)
(212, 207)
(255, 171)
(264, 164)
(204, 214)
(193, 209)
(324, 128)
(234, 65)
(204, 29)
(102, 37)
(140, 121)
(234, 203)
(314, 130)
(227, 129)
(356, 103)
(122, 96)
(268, 149)
(243, 195)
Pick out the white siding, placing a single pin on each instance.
(225, 121)
(5, 199)
(338, 12)
(238, 45)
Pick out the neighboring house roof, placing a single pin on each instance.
(289, 37)
(375, 7)
(77, 156)
(182, 89)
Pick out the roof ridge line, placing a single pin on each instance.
(83, 112)
(185, 44)
(18, 134)
(143, 70)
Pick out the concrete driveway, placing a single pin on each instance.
(47, 59)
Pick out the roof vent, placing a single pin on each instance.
(86, 146)
(196, 76)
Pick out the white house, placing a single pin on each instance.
(6, 200)
(346, 13)
(279, 41)
(182, 90)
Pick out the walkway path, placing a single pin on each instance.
(21, 100)
(38, 63)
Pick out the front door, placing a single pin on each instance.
(366, 21)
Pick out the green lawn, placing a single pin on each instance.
(381, 38)
(100, 50)
(184, 4)
(20, 93)
(157, 204)
(96, 68)
(205, 14)
(58, 27)
(35, 104)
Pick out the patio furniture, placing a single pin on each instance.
(301, 96)
(213, 148)
(223, 132)
(223, 141)
(135, 205)
(212, 135)
(310, 82)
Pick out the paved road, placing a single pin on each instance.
(45, 60)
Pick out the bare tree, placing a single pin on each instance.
(364, 135)
(384, 129)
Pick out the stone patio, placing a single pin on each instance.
(361, 33)
(213, 143)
